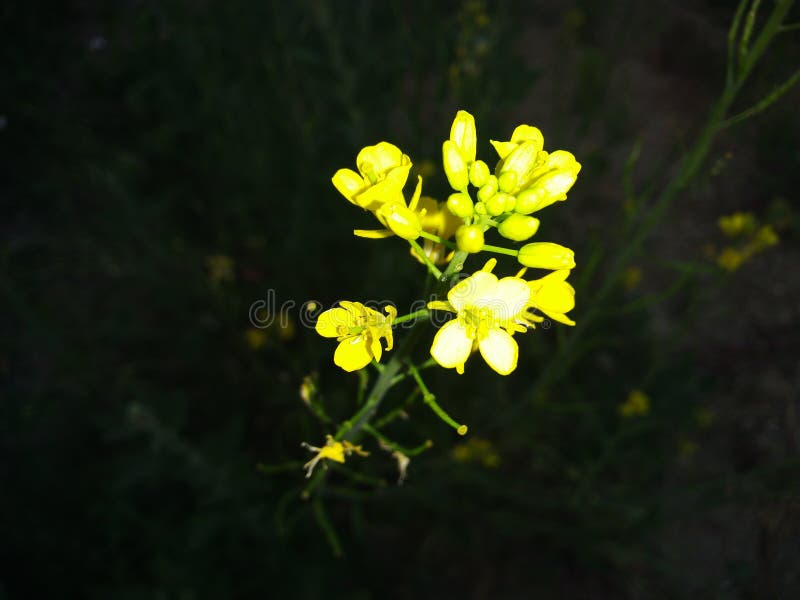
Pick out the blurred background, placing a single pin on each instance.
(165, 164)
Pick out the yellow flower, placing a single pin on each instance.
(488, 312)
(397, 218)
(637, 404)
(255, 338)
(359, 330)
(220, 268)
(332, 450)
(553, 296)
(383, 171)
(737, 223)
(731, 259)
(476, 450)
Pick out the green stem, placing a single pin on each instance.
(411, 316)
(435, 238)
(424, 257)
(499, 250)
(430, 400)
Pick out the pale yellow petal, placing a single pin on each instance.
(352, 354)
(499, 350)
(330, 321)
(451, 345)
(348, 182)
(509, 298)
(467, 292)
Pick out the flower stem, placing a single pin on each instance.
(411, 316)
(499, 250)
(424, 257)
(430, 400)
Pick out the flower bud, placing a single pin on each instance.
(521, 162)
(463, 135)
(518, 227)
(454, 166)
(496, 205)
(507, 181)
(403, 221)
(469, 238)
(488, 189)
(480, 208)
(460, 205)
(546, 255)
(479, 173)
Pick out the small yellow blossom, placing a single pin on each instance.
(489, 311)
(631, 278)
(637, 404)
(359, 330)
(737, 224)
(553, 296)
(332, 450)
(731, 259)
(220, 268)
(383, 171)
(255, 338)
(476, 450)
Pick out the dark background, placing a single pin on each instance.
(142, 141)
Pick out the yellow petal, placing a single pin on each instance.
(389, 189)
(451, 345)
(499, 350)
(374, 234)
(334, 452)
(378, 158)
(509, 298)
(352, 354)
(526, 133)
(348, 182)
(330, 321)
(503, 148)
(476, 286)
(555, 296)
(375, 345)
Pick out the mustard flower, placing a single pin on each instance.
(489, 310)
(637, 404)
(382, 173)
(359, 330)
(332, 450)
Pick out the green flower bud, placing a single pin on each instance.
(480, 208)
(464, 136)
(479, 173)
(469, 238)
(496, 205)
(518, 227)
(507, 181)
(460, 205)
(546, 255)
(403, 221)
(454, 166)
(488, 189)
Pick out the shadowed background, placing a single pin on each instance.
(167, 163)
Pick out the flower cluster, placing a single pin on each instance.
(488, 310)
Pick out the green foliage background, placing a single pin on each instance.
(140, 138)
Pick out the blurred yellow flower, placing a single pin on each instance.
(637, 404)
(220, 268)
(359, 330)
(332, 450)
(435, 218)
(476, 450)
(631, 277)
(255, 338)
(737, 223)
